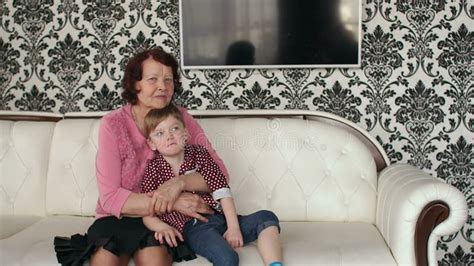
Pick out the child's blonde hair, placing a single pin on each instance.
(156, 116)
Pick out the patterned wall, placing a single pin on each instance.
(414, 92)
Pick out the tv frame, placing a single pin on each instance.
(275, 66)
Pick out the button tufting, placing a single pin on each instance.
(251, 168)
(11, 144)
(327, 173)
(344, 151)
(307, 141)
(269, 196)
(323, 147)
(309, 145)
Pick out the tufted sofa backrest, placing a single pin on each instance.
(24, 153)
(304, 170)
(71, 182)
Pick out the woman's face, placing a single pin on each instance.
(156, 88)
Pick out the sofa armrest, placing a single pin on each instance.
(413, 210)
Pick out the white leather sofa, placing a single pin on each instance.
(339, 200)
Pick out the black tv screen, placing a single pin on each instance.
(270, 33)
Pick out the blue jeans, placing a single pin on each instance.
(206, 239)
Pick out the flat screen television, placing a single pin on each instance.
(270, 33)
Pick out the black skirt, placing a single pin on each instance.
(120, 236)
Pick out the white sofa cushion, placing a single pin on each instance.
(34, 245)
(12, 224)
(303, 170)
(24, 155)
(71, 182)
(333, 243)
(304, 243)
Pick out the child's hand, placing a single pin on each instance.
(169, 234)
(233, 236)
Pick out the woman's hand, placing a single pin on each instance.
(192, 205)
(163, 198)
(169, 234)
(233, 236)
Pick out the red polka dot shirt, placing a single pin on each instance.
(196, 158)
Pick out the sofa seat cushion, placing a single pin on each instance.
(334, 243)
(304, 243)
(34, 245)
(324, 243)
(12, 224)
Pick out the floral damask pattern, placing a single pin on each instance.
(69, 62)
(420, 15)
(381, 48)
(9, 65)
(297, 88)
(140, 7)
(458, 58)
(421, 104)
(186, 98)
(134, 46)
(256, 98)
(380, 56)
(458, 257)
(407, 5)
(414, 90)
(339, 101)
(38, 11)
(457, 164)
(105, 99)
(103, 17)
(3, 9)
(168, 12)
(35, 101)
(420, 111)
(218, 91)
(458, 48)
(33, 16)
(68, 7)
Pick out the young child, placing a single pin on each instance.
(225, 230)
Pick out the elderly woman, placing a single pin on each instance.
(118, 233)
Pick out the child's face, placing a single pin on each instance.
(169, 137)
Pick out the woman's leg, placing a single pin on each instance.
(157, 255)
(105, 257)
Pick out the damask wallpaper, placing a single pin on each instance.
(414, 91)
